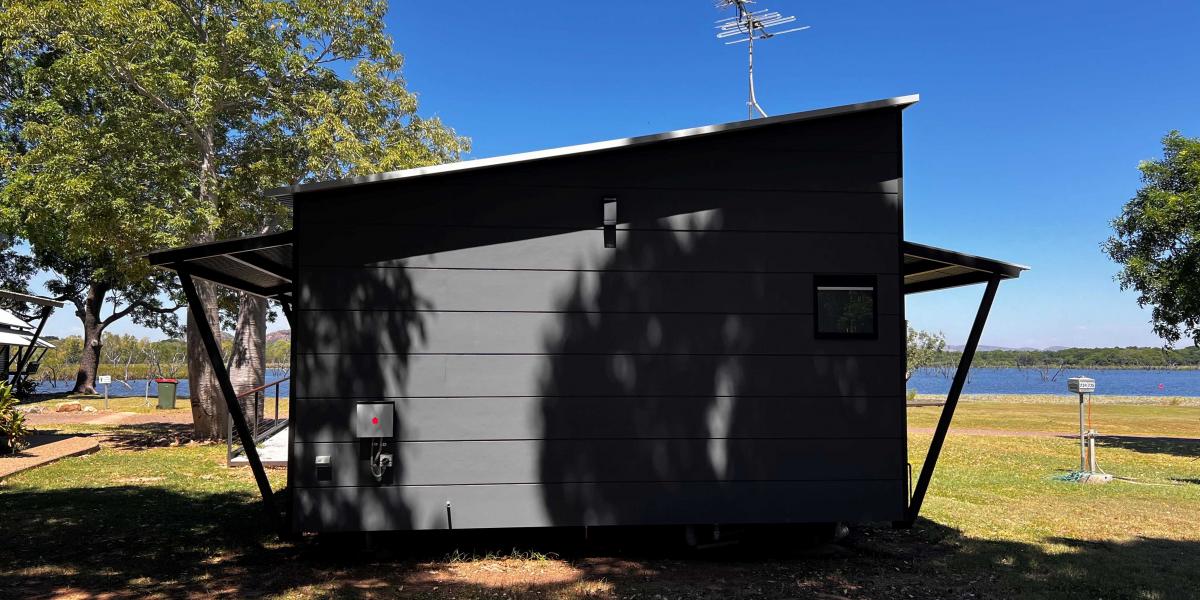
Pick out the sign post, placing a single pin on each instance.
(1088, 471)
(104, 380)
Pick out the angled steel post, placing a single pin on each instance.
(23, 359)
(208, 337)
(960, 379)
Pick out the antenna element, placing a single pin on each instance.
(747, 26)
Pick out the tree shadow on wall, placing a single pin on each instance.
(355, 338)
(682, 381)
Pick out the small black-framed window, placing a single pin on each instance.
(845, 307)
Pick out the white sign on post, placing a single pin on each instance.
(104, 380)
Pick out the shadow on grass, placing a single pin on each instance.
(1182, 447)
(39, 438)
(138, 436)
(139, 541)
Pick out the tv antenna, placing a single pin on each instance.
(749, 25)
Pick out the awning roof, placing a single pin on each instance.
(38, 300)
(11, 321)
(927, 268)
(261, 265)
(9, 337)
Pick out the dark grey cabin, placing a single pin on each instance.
(698, 327)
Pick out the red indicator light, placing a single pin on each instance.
(374, 420)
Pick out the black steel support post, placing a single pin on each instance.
(960, 379)
(208, 337)
(23, 359)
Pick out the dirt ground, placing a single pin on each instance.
(107, 417)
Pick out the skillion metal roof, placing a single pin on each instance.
(284, 194)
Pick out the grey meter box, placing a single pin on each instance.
(374, 420)
(1081, 385)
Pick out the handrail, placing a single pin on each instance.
(276, 423)
(263, 387)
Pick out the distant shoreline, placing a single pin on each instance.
(1066, 398)
(1066, 367)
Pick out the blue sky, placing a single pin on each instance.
(1033, 117)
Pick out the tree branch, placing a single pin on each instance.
(119, 314)
(191, 127)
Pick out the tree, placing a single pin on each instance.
(76, 183)
(924, 348)
(250, 94)
(1156, 239)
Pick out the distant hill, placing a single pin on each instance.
(282, 334)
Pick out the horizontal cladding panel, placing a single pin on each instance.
(596, 504)
(530, 418)
(495, 248)
(392, 375)
(598, 461)
(389, 288)
(384, 332)
(581, 208)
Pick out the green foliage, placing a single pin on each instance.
(127, 126)
(279, 352)
(1111, 358)
(1157, 240)
(923, 349)
(216, 100)
(125, 358)
(15, 269)
(86, 176)
(12, 421)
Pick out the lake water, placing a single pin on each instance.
(1117, 382)
(137, 387)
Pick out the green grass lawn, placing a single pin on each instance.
(172, 521)
(137, 404)
(1114, 419)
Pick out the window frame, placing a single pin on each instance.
(845, 280)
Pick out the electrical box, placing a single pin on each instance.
(374, 420)
(1081, 385)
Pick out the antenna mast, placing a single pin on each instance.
(748, 26)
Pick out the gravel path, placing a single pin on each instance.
(46, 449)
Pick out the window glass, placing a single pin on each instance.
(845, 306)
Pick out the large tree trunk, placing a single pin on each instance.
(248, 359)
(93, 329)
(209, 413)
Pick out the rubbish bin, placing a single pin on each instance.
(166, 392)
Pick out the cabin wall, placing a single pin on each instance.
(543, 379)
